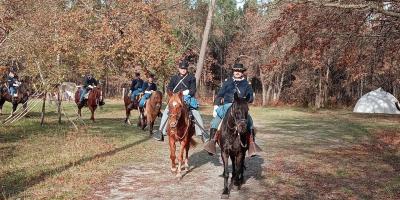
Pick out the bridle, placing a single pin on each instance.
(173, 128)
(236, 123)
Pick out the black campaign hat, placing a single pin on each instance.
(238, 67)
(183, 64)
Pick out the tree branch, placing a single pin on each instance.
(367, 6)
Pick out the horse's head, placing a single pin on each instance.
(175, 106)
(157, 96)
(239, 113)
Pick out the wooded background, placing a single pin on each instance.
(307, 52)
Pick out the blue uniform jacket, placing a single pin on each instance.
(230, 86)
(136, 84)
(188, 83)
(88, 82)
(149, 86)
(11, 81)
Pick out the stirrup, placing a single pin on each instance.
(254, 149)
(210, 147)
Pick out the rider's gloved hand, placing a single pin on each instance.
(215, 111)
(90, 86)
(148, 92)
(185, 92)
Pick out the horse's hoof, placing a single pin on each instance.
(225, 196)
(236, 187)
(173, 169)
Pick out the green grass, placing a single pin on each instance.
(55, 161)
(58, 162)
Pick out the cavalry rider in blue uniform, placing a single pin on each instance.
(88, 83)
(136, 89)
(148, 88)
(13, 83)
(236, 84)
(186, 83)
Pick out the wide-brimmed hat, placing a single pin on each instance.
(238, 67)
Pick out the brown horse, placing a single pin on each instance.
(22, 98)
(149, 114)
(180, 129)
(95, 99)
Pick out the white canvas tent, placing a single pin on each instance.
(377, 101)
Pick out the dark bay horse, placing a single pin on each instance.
(148, 115)
(22, 98)
(180, 129)
(94, 100)
(233, 140)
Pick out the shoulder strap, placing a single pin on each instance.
(180, 82)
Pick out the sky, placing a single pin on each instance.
(239, 3)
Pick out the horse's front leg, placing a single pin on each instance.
(151, 125)
(172, 149)
(14, 108)
(238, 170)
(234, 169)
(187, 156)
(128, 113)
(92, 109)
(80, 111)
(241, 168)
(225, 160)
(180, 157)
(2, 101)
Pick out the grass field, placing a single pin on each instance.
(310, 153)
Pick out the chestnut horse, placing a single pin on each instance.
(149, 114)
(22, 98)
(95, 99)
(180, 129)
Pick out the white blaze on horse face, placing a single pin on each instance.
(174, 103)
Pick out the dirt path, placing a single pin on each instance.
(153, 180)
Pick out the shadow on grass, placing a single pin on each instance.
(319, 130)
(352, 172)
(18, 181)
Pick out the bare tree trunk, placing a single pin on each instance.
(59, 106)
(200, 62)
(43, 109)
(319, 94)
(325, 100)
(280, 86)
(268, 96)
(264, 94)
(361, 87)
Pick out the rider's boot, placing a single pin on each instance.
(158, 135)
(253, 147)
(210, 145)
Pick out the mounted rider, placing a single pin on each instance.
(136, 89)
(148, 87)
(89, 83)
(225, 97)
(186, 83)
(13, 83)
